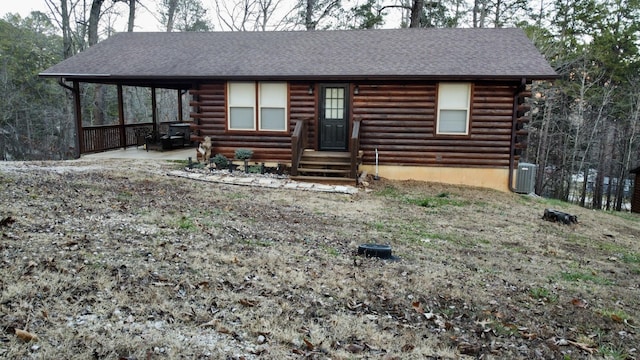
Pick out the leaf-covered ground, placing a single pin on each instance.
(117, 260)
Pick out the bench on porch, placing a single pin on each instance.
(177, 136)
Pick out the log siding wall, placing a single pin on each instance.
(398, 119)
(210, 118)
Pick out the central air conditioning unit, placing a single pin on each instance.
(526, 178)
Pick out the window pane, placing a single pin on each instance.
(453, 108)
(334, 103)
(242, 102)
(242, 94)
(272, 119)
(273, 94)
(241, 118)
(453, 121)
(453, 96)
(273, 104)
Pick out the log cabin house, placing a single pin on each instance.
(444, 105)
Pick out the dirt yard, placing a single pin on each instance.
(117, 260)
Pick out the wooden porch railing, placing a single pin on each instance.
(298, 144)
(354, 145)
(101, 138)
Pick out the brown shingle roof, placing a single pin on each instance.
(344, 54)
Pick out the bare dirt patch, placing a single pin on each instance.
(117, 260)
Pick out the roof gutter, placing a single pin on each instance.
(63, 75)
(294, 77)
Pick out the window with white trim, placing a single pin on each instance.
(242, 102)
(453, 108)
(273, 106)
(268, 105)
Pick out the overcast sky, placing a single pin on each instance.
(22, 7)
(144, 20)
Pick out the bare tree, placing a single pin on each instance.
(416, 13)
(479, 13)
(131, 19)
(94, 19)
(184, 15)
(313, 12)
(171, 8)
(62, 11)
(267, 20)
(235, 16)
(254, 15)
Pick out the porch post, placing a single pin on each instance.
(78, 112)
(123, 130)
(154, 115)
(179, 105)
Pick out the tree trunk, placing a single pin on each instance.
(609, 186)
(475, 13)
(94, 19)
(585, 178)
(416, 13)
(496, 21)
(599, 183)
(98, 98)
(479, 13)
(66, 30)
(542, 146)
(309, 24)
(629, 145)
(620, 188)
(132, 15)
(171, 14)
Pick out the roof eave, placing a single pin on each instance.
(106, 78)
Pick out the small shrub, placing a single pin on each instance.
(254, 169)
(243, 154)
(610, 352)
(615, 315)
(221, 161)
(389, 191)
(541, 293)
(186, 223)
(438, 201)
(584, 276)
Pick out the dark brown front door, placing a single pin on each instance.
(334, 124)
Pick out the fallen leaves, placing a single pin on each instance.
(308, 344)
(582, 346)
(417, 307)
(248, 303)
(354, 348)
(617, 318)
(211, 291)
(25, 335)
(579, 303)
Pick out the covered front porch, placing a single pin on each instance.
(126, 113)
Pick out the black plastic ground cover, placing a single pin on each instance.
(375, 250)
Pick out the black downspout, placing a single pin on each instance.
(61, 83)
